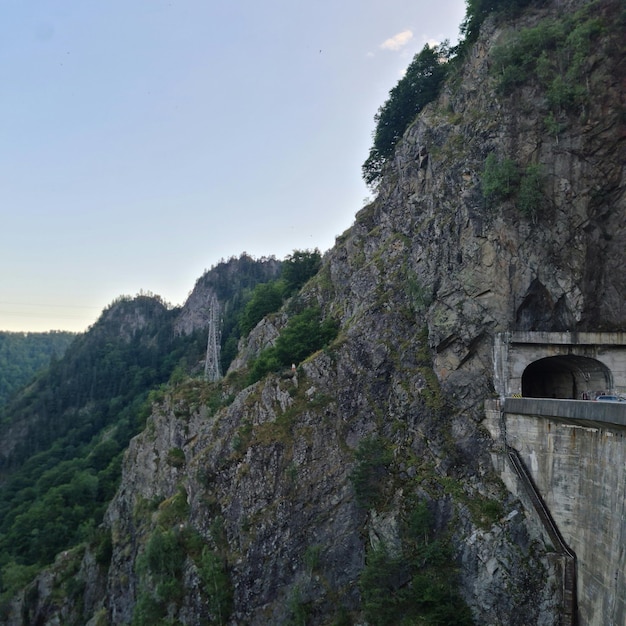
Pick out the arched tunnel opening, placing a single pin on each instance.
(566, 377)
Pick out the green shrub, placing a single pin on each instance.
(14, 576)
(530, 196)
(416, 586)
(298, 267)
(553, 124)
(431, 393)
(485, 511)
(478, 10)
(174, 510)
(554, 52)
(103, 544)
(563, 94)
(517, 61)
(163, 559)
(312, 557)
(175, 457)
(217, 586)
(165, 555)
(420, 297)
(342, 618)
(265, 363)
(499, 179)
(147, 611)
(266, 298)
(420, 85)
(242, 437)
(217, 530)
(371, 471)
(299, 610)
(304, 334)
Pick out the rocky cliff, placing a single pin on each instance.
(332, 493)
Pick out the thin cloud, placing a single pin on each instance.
(397, 41)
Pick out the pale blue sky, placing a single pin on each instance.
(144, 140)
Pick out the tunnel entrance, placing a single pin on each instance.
(566, 377)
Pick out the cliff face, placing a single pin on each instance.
(257, 488)
(233, 276)
(480, 269)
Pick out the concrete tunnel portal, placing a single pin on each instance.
(566, 377)
(569, 465)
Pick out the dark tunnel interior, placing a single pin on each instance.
(566, 377)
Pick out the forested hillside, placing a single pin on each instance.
(360, 486)
(22, 355)
(65, 434)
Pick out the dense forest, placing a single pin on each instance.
(75, 419)
(22, 355)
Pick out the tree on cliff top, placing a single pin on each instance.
(478, 10)
(419, 86)
(422, 83)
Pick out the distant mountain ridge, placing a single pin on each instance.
(358, 485)
(64, 434)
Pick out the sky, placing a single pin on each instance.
(142, 141)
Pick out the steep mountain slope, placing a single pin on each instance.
(22, 355)
(476, 265)
(359, 488)
(64, 434)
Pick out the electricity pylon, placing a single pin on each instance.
(212, 363)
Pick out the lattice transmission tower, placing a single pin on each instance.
(212, 364)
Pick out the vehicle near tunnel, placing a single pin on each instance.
(607, 398)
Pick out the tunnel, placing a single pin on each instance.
(566, 377)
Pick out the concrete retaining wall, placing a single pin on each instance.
(580, 472)
(595, 414)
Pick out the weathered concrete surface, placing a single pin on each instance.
(581, 474)
(591, 414)
(515, 351)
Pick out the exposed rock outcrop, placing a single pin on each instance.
(263, 476)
